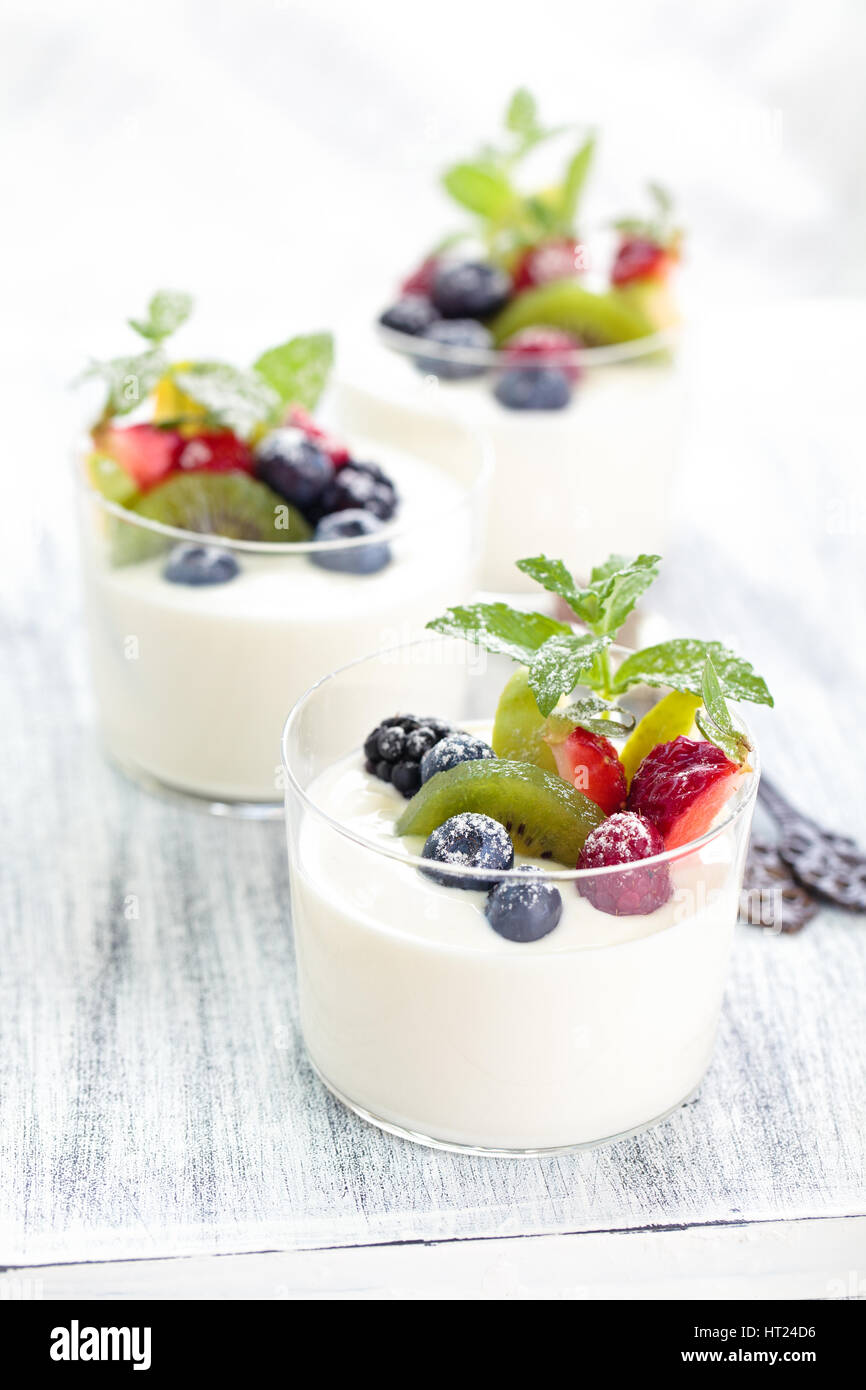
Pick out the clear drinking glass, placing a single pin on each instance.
(592, 478)
(192, 683)
(423, 1020)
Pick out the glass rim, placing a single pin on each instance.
(458, 872)
(415, 346)
(390, 531)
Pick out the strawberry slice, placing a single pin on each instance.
(215, 451)
(681, 786)
(590, 763)
(145, 452)
(639, 258)
(336, 450)
(558, 259)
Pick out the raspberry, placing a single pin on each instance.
(681, 786)
(559, 259)
(624, 839)
(328, 443)
(421, 279)
(548, 347)
(215, 451)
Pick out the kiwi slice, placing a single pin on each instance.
(518, 729)
(608, 317)
(672, 716)
(544, 815)
(106, 475)
(216, 504)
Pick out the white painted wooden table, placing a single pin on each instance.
(157, 1107)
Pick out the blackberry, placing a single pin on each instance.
(358, 486)
(394, 749)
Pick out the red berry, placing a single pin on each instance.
(681, 787)
(147, 453)
(328, 443)
(591, 764)
(214, 451)
(624, 839)
(549, 347)
(421, 279)
(638, 258)
(548, 261)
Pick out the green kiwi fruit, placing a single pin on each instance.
(595, 318)
(108, 477)
(217, 504)
(519, 725)
(545, 816)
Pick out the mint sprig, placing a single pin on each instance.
(167, 310)
(128, 380)
(236, 399)
(714, 720)
(559, 658)
(592, 713)
(298, 370)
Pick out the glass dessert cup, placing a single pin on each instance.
(426, 1022)
(192, 683)
(593, 477)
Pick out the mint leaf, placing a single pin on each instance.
(715, 722)
(500, 629)
(582, 714)
(680, 665)
(572, 185)
(167, 310)
(555, 668)
(298, 370)
(234, 398)
(610, 596)
(482, 188)
(128, 380)
(522, 115)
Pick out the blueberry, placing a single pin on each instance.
(406, 777)
(455, 333)
(420, 741)
(200, 564)
(453, 749)
(411, 314)
(470, 290)
(524, 911)
(473, 841)
(361, 486)
(294, 467)
(391, 743)
(356, 559)
(533, 388)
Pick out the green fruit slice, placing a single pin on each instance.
(519, 726)
(545, 816)
(218, 504)
(595, 318)
(107, 476)
(672, 716)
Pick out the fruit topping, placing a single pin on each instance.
(336, 450)
(519, 726)
(294, 466)
(590, 762)
(223, 504)
(411, 314)
(215, 451)
(470, 290)
(468, 841)
(456, 747)
(421, 279)
(359, 486)
(533, 388)
(394, 749)
(637, 258)
(362, 558)
(200, 564)
(605, 316)
(525, 909)
(544, 347)
(148, 454)
(681, 787)
(545, 816)
(559, 259)
(107, 476)
(455, 334)
(673, 715)
(624, 838)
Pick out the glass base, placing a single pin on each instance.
(482, 1152)
(239, 810)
